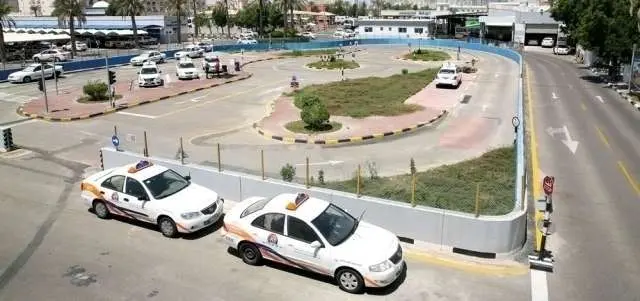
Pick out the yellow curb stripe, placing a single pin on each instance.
(471, 267)
(535, 165)
(355, 139)
(332, 141)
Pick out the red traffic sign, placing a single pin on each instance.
(547, 184)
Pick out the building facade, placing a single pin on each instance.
(385, 28)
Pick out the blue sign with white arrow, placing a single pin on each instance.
(115, 140)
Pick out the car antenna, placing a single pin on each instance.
(361, 215)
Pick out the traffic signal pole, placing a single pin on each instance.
(44, 88)
(106, 63)
(55, 76)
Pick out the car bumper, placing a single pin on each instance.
(447, 82)
(149, 84)
(188, 76)
(385, 278)
(14, 79)
(136, 63)
(547, 45)
(189, 226)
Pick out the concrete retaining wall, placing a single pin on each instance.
(448, 229)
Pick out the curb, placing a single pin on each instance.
(355, 139)
(123, 107)
(635, 104)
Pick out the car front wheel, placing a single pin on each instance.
(350, 281)
(100, 209)
(167, 227)
(26, 79)
(250, 253)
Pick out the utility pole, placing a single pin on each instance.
(44, 88)
(633, 59)
(193, 21)
(106, 63)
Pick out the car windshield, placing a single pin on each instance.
(335, 225)
(145, 54)
(211, 59)
(447, 71)
(148, 71)
(28, 69)
(186, 65)
(165, 184)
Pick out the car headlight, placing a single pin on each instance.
(190, 215)
(381, 267)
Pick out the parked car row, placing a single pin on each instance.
(295, 229)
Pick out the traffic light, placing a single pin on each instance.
(112, 77)
(6, 143)
(41, 85)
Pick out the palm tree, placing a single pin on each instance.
(284, 6)
(35, 9)
(296, 4)
(226, 11)
(177, 7)
(130, 8)
(634, 11)
(70, 11)
(8, 22)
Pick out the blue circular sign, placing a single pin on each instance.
(115, 140)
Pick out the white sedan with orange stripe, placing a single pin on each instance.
(314, 235)
(154, 194)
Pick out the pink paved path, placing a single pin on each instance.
(433, 100)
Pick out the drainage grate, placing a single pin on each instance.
(466, 99)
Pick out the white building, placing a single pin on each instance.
(389, 28)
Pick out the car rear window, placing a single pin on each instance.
(256, 206)
(447, 71)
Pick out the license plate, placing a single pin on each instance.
(209, 221)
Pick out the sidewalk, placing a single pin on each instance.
(436, 104)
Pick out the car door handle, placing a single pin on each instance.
(126, 199)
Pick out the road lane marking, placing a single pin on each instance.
(584, 108)
(539, 286)
(603, 137)
(136, 115)
(629, 178)
(600, 99)
(554, 96)
(200, 104)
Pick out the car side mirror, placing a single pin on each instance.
(188, 178)
(316, 245)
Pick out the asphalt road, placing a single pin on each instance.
(597, 194)
(225, 114)
(54, 249)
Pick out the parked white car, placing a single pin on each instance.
(247, 41)
(206, 45)
(55, 55)
(561, 50)
(547, 42)
(34, 71)
(210, 61)
(150, 75)
(186, 69)
(154, 194)
(449, 75)
(148, 56)
(80, 46)
(308, 34)
(314, 235)
(191, 51)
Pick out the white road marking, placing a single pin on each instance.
(278, 89)
(539, 288)
(600, 99)
(137, 115)
(330, 162)
(554, 96)
(15, 154)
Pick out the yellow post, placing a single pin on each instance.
(262, 162)
(358, 182)
(413, 190)
(219, 162)
(477, 199)
(307, 175)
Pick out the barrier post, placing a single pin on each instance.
(358, 182)
(477, 199)
(115, 130)
(181, 152)
(413, 190)
(146, 145)
(262, 163)
(219, 162)
(306, 181)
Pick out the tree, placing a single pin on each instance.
(226, 12)
(362, 9)
(177, 7)
(219, 15)
(201, 20)
(338, 8)
(196, 28)
(36, 10)
(314, 113)
(6, 21)
(352, 11)
(296, 5)
(634, 11)
(130, 8)
(68, 12)
(313, 7)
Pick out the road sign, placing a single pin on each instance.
(115, 141)
(547, 185)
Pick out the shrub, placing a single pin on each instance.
(288, 172)
(302, 100)
(277, 34)
(332, 59)
(405, 71)
(315, 115)
(419, 51)
(290, 32)
(96, 90)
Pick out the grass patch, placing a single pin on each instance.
(337, 64)
(427, 55)
(85, 99)
(450, 187)
(302, 128)
(372, 96)
(298, 53)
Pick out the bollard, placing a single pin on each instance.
(358, 182)
(146, 145)
(115, 130)
(307, 174)
(181, 152)
(262, 163)
(219, 163)
(413, 190)
(477, 199)
(101, 161)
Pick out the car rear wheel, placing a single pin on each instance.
(250, 253)
(350, 281)
(167, 227)
(100, 209)
(36, 59)
(26, 79)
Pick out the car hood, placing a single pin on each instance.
(149, 76)
(137, 58)
(369, 245)
(191, 199)
(184, 70)
(19, 73)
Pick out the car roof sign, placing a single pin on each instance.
(140, 166)
(301, 198)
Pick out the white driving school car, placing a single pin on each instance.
(150, 75)
(314, 235)
(186, 69)
(153, 194)
(449, 75)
